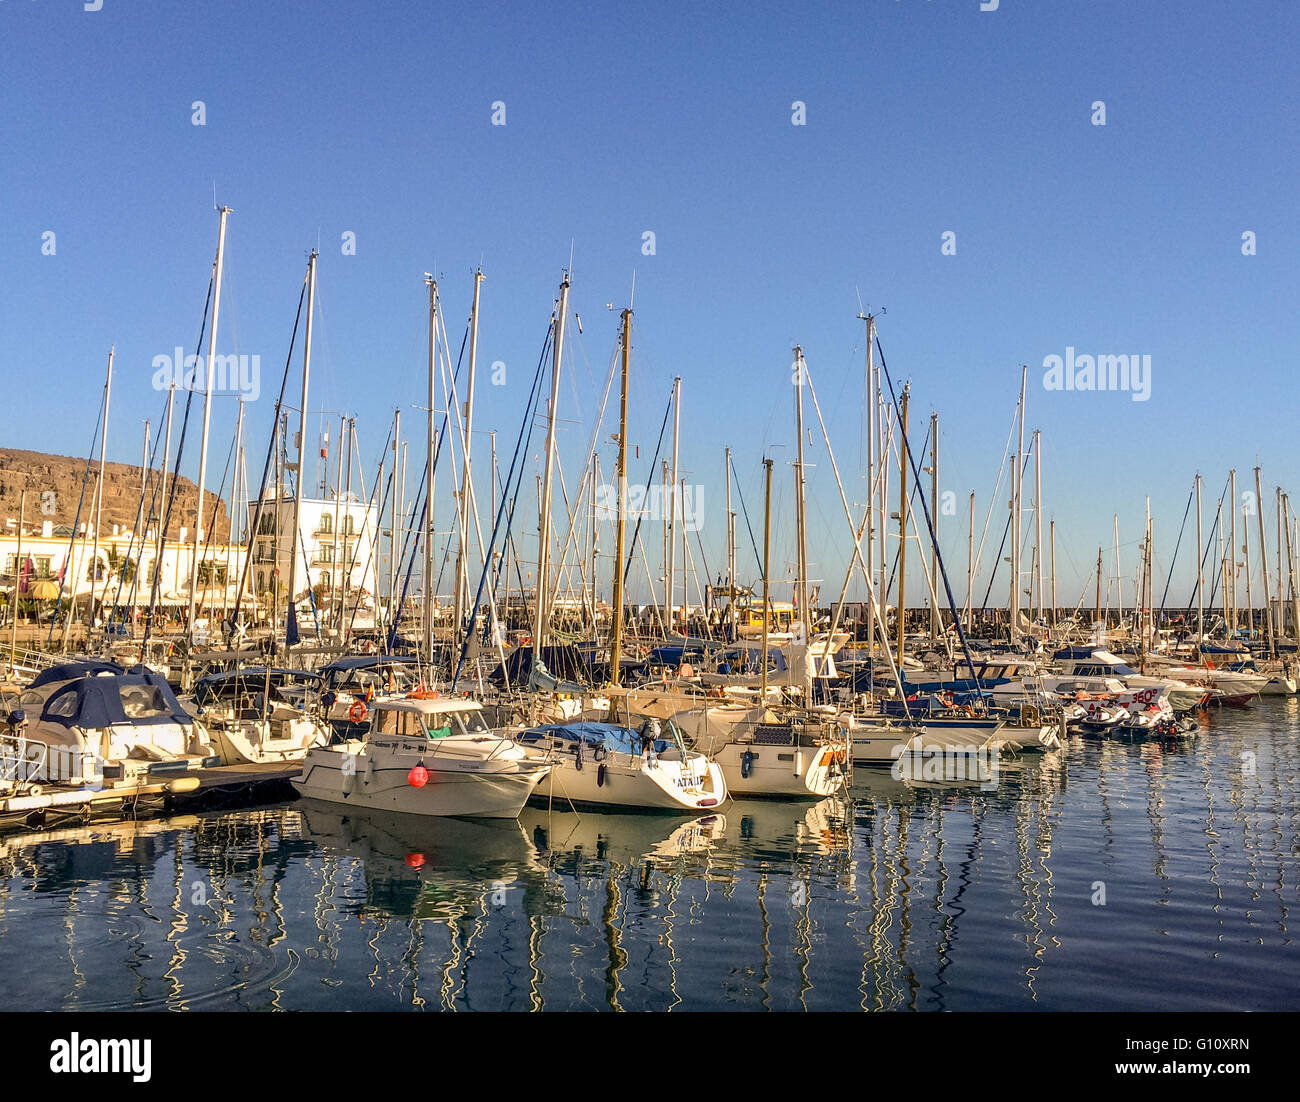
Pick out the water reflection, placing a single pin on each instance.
(906, 895)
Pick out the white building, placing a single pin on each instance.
(47, 561)
(336, 545)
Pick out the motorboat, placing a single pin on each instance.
(424, 755)
(97, 723)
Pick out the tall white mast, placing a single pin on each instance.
(801, 526)
(295, 536)
(1263, 562)
(99, 490)
(1230, 581)
(731, 552)
(1119, 577)
(616, 597)
(430, 442)
(544, 519)
(462, 508)
(934, 519)
(1016, 519)
(394, 543)
(871, 480)
(970, 559)
(207, 413)
(670, 581)
(1290, 567)
(1200, 577)
(1038, 525)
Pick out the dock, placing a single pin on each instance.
(221, 786)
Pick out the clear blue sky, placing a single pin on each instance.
(922, 116)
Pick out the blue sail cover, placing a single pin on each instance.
(69, 671)
(622, 740)
(136, 697)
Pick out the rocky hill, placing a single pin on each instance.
(42, 475)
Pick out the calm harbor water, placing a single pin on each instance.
(1114, 875)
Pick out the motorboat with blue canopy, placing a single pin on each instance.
(606, 736)
(97, 720)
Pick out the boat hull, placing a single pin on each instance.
(338, 776)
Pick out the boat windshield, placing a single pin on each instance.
(442, 724)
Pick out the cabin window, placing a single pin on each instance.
(471, 723)
(63, 706)
(143, 702)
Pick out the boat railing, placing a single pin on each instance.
(23, 759)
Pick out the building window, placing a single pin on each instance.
(347, 524)
(325, 579)
(326, 525)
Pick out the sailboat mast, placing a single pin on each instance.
(970, 559)
(934, 519)
(1250, 599)
(1280, 621)
(902, 521)
(1016, 515)
(1119, 578)
(670, 580)
(207, 413)
(871, 465)
(462, 583)
(394, 542)
(801, 535)
(616, 628)
(18, 574)
(1290, 567)
(544, 520)
(99, 490)
(731, 555)
(1230, 580)
(430, 445)
(767, 573)
(162, 493)
(1051, 619)
(295, 534)
(1200, 577)
(1096, 616)
(1038, 526)
(1263, 561)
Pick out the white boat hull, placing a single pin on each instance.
(633, 782)
(358, 776)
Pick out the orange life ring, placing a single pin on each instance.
(357, 712)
